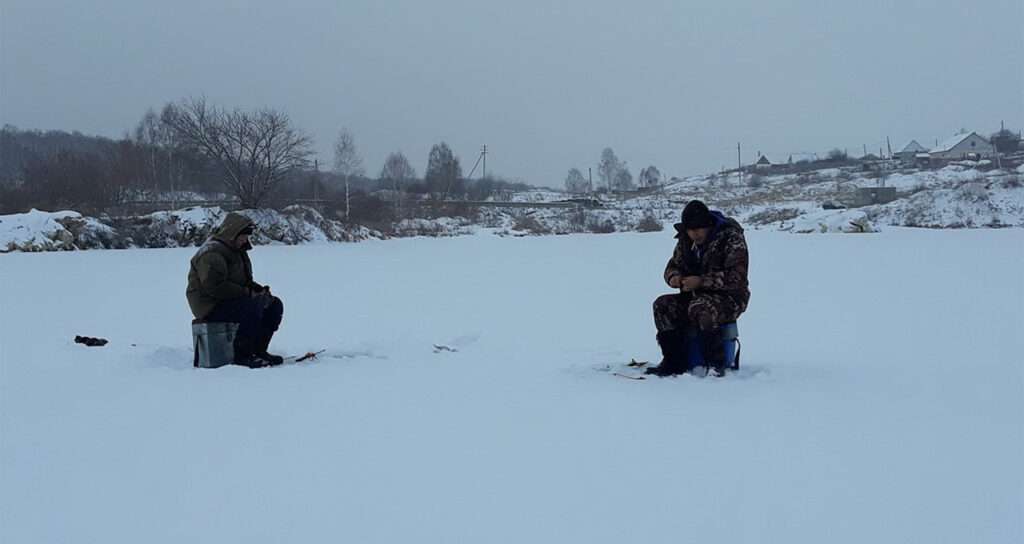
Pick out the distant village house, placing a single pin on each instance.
(910, 151)
(968, 145)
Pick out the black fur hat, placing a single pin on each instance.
(697, 215)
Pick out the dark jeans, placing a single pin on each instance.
(258, 317)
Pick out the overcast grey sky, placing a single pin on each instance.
(546, 85)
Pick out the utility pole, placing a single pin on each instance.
(889, 145)
(170, 178)
(739, 163)
(316, 169)
(590, 180)
(481, 158)
(999, 161)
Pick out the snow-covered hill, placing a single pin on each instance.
(956, 196)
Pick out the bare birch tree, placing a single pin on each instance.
(394, 174)
(347, 162)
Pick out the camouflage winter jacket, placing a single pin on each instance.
(220, 271)
(721, 262)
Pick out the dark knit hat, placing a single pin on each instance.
(249, 229)
(696, 215)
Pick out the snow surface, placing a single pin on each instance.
(849, 221)
(881, 397)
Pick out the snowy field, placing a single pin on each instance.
(881, 397)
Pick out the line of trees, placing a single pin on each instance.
(257, 157)
(57, 169)
(613, 175)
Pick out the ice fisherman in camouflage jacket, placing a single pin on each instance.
(709, 267)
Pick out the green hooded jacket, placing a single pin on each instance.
(220, 271)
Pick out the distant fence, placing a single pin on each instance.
(492, 204)
(146, 207)
(143, 207)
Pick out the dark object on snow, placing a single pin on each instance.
(259, 360)
(90, 341)
(309, 355)
(673, 349)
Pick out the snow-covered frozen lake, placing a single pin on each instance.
(881, 400)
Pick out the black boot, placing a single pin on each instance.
(266, 359)
(261, 351)
(673, 351)
(252, 353)
(713, 348)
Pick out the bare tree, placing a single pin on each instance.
(623, 179)
(255, 150)
(396, 172)
(347, 162)
(173, 147)
(608, 168)
(160, 143)
(149, 133)
(837, 155)
(1005, 141)
(650, 177)
(444, 173)
(575, 182)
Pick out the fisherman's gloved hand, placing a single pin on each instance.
(690, 283)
